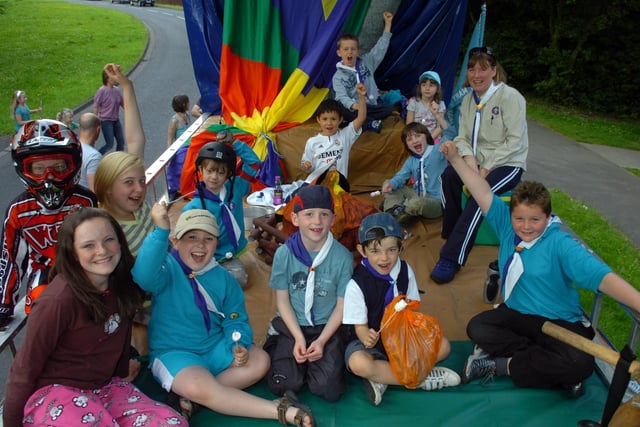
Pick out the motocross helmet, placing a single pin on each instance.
(47, 157)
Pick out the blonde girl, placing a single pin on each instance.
(20, 111)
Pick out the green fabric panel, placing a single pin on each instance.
(252, 30)
(498, 403)
(354, 21)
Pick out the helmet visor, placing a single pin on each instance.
(58, 166)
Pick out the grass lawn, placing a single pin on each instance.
(55, 51)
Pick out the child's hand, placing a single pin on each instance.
(449, 150)
(240, 356)
(300, 351)
(134, 370)
(388, 16)
(307, 167)
(434, 107)
(361, 89)
(372, 339)
(315, 351)
(160, 215)
(114, 71)
(387, 187)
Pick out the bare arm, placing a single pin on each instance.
(316, 349)
(133, 130)
(171, 133)
(290, 320)
(411, 115)
(362, 107)
(620, 290)
(477, 185)
(388, 17)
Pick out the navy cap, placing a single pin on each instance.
(382, 221)
(312, 197)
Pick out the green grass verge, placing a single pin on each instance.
(55, 51)
(614, 249)
(634, 171)
(582, 127)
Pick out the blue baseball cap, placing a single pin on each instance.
(431, 75)
(383, 221)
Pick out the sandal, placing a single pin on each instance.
(184, 407)
(291, 400)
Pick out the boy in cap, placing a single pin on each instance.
(380, 277)
(200, 339)
(310, 273)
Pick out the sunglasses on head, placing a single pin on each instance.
(478, 50)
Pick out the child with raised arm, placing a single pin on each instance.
(540, 264)
(201, 344)
(221, 187)
(70, 367)
(423, 167)
(310, 273)
(381, 276)
(330, 148)
(353, 69)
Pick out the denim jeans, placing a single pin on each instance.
(111, 129)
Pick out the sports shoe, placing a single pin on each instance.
(374, 391)
(444, 271)
(476, 354)
(481, 366)
(440, 377)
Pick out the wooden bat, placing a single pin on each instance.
(588, 346)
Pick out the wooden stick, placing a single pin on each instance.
(588, 346)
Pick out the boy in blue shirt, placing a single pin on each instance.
(310, 273)
(540, 264)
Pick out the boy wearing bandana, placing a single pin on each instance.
(306, 340)
(540, 264)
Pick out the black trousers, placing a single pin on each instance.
(460, 226)
(537, 359)
(325, 377)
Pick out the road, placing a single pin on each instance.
(156, 80)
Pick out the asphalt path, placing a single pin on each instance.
(164, 71)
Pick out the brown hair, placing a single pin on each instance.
(121, 282)
(415, 127)
(531, 193)
(179, 103)
(346, 37)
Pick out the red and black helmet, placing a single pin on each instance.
(47, 157)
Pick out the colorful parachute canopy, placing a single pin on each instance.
(267, 64)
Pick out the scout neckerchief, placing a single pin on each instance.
(228, 220)
(388, 296)
(480, 103)
(422, 180)
(202, 299)
(295, 245)
(514, 267)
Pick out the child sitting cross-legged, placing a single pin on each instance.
(310, 273)
(423, 168)
(379, 277)
(201, 344)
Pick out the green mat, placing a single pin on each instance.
(495, 404)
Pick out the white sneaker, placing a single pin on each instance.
(374, 391)
(440, 377)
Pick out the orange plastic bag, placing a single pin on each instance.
(411, 340)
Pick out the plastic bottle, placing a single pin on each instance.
(277, 191)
